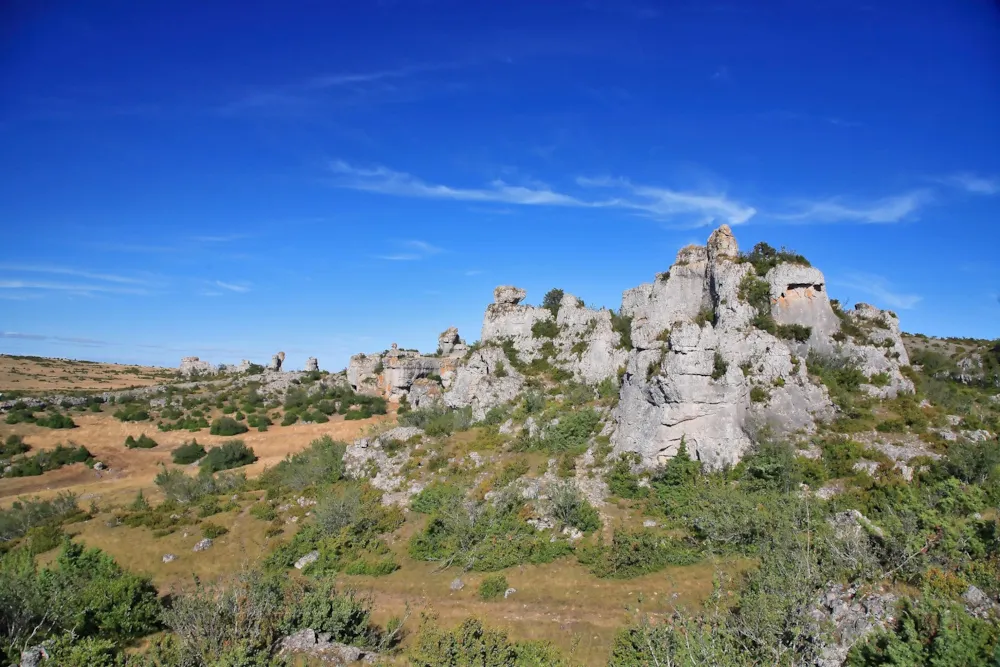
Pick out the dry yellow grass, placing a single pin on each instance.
(44, 374)
(132, 469)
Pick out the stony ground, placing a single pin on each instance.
(32, 374)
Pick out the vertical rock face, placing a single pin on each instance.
(393, 373)
(484, 381)
(798, 295)
(312, 364)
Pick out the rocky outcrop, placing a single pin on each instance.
(702, 371)
(312, 365)
(450, 344)
(486, 380)
(195, 366)
(393, 373)
(276, 362)
(850, 615)
(319, 647)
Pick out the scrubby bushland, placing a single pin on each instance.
(346, 529)
(438, 420)
(132, 412)
(320, 463)
(231, 454)
(50, 459)
(485, 537)
(25, 514)
(12, 446)
(183, 488)
(568, 507)
(473, 644)
(187, 453)
(85, 595)
(55, 420)
(227, 426)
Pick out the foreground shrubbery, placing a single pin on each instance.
(50, 459)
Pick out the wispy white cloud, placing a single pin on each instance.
(686, 208)
(16, 335)
(412, 250)
(973, 183)
(67, 271)
(232, 287)
(79, 288)
(837, 209)
(879, 287)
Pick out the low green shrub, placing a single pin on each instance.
(634, 552)
(492, 587)
(56, 420)
(212, 530)
(187, 453)
(142, 442)
(231, 454)
(227, 426)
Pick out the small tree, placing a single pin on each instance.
(552, 301)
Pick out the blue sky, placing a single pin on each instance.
(231, 179)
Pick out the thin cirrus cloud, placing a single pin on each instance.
(85, 289)
(240, 288)
(973, 183)
(412, 250)
(67, 271)
(880, 289)
(684, 208)
(15, 335)
(886, 210)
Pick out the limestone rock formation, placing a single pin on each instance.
(276, 362)
(450, 344)
(312, 364)
(703, 372)
(484, 381)
(195, 366)
(392, 373)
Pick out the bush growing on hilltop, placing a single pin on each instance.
(553, 300)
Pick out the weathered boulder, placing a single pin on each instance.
(508, 294)
(312, 365)
(307, 560)
(798, 295)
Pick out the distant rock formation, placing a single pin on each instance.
(193, 365)
(312, 364)
(392, 373)
(276, 362)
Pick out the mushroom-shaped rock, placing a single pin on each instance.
(509, 294)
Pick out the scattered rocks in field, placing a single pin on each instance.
(318, 646)
(507, 593)
(649, 523)
(308, 559)
(456, 584)
(203, 544)
(302, 501)
(169, 558)
(572, 533)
